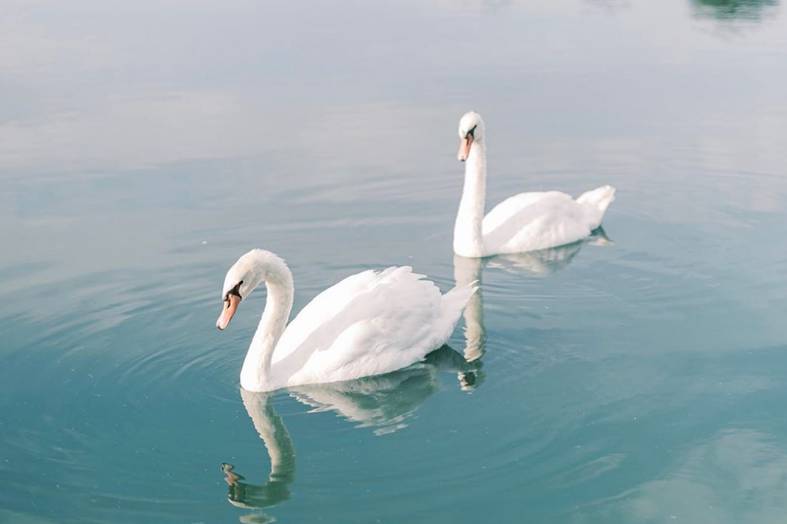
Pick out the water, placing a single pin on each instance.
(635, 377)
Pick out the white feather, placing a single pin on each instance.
(368, 324)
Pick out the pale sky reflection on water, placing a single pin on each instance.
(144, 146)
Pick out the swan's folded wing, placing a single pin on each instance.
(502, 212)
(531, 221)
(321, 310)
(378, 324)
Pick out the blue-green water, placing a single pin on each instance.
(634, 378)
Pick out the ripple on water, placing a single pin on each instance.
(125, 329)
(549, 407)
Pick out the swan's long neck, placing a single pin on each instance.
(256, 372)
(468, 235)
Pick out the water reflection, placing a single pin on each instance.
(466, 272)
(383, 403)
(751, 10)
(547, 261)
(281, 453)
(748, 467)
(540, 263)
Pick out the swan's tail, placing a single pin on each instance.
(453, 304)
(600, 199)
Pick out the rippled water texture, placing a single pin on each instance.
(638, 376)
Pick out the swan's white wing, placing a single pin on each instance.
(531, 221)
(511, 205)
(321, 310)
(368, 324)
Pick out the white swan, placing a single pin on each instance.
(523, 222)
(367, 324)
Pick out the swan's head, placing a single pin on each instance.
(471, 129)
(251, 270)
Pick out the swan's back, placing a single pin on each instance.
(367, 324)
(540, 220)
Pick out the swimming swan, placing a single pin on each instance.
(368, 324)
(523, 222)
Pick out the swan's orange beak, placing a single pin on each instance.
(230, 306)
(464, 147)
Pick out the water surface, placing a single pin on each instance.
(634, 377)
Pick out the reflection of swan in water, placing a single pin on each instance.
(281, 452)
(543, 262)
(547, 261)
(469, 270)
(383, 403)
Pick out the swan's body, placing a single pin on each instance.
(523, 222)
(368, 324)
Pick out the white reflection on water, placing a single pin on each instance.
(747, 474)
(329, 135)
(536, 263)
(383, 403)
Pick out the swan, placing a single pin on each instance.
(523, 222)
(370, 323)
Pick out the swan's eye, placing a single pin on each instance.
(471, 133)
(234, 291)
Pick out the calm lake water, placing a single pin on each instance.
(635, 377)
